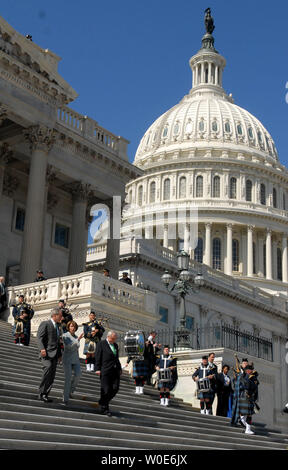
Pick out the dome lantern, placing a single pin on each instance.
(207, 65)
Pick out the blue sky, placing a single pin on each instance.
(129, 60)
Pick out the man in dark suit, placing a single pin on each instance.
(109, 369)
(48, 337)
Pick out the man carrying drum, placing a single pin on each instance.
(203, 376)
(166, 367)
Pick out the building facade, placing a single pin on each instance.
(54, 166)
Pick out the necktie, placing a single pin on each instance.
(113, 348)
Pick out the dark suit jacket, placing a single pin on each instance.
(220, 384)
(105, 360)
(48, 339)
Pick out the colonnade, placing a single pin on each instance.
(254, 243)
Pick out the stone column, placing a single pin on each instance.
(113, 243)
(208, 244)
(284, 258)
(187, 238)
(165, 236)
(260, 257)
(268, 254)
(250, 250)
(274, 259)
(41, 139)
(229, 250)
(78, 244)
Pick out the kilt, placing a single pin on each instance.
(242, 405)
(206, 395)
(140, 368)
(246, 406)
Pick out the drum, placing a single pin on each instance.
(164, 375)
(134, 344)
(203, 385)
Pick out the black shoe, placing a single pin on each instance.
(45, 399)
(105, 411)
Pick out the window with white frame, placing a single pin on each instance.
(199, 186)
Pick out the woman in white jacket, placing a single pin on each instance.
(71, 361)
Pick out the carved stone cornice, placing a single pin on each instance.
(51, 174)
(80, 191)
(6, 153)
(40, 137)
(52, 201)
(3, 113)
(10, 185)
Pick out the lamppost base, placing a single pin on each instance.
(182, 338)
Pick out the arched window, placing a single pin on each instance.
(232, 189)
(216, 186)
(227, 127)
(198, 252)
(214, 126)
(182, 187)
(165, 131)
(263, 194)
(235, 255)
(130, 197)
(250, 133)
(239, 129)
(140, 195)
(284, 201)
(279, 264)
(166, 189)
(248, 190)
(201, 125)
(216, 253)
(152, 192)
(274, 198)
(199, 186)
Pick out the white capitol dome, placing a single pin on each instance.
(206, 117)
(210, 155)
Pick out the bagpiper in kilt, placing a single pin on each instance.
(208, 371)
(23, 314)
(93, 333)
(245, 396)
(166, 361)
(140, 371)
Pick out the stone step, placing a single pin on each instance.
(202, 422)
(138, 421)
(100, 440)
(72, 424)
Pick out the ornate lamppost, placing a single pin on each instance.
(185, 284)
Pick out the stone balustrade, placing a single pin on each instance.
(90, 129)
(125, 306)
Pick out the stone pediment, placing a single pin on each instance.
(41, 62)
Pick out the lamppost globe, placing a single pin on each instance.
(183, 260)
(199, 280)
(166, 278)
(185, 275)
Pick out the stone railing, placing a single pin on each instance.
(74, 288)
(97, 252)
(125, 306)
(90, 130)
